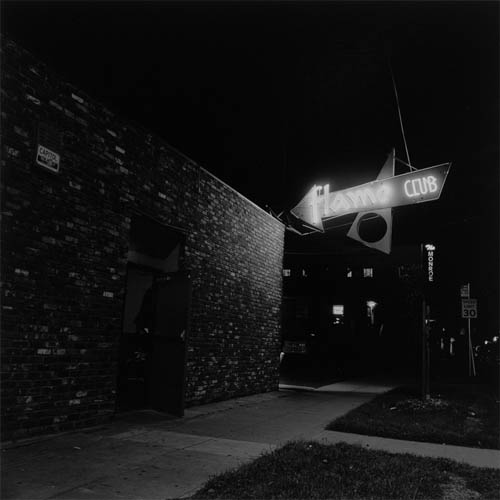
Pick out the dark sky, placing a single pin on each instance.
(273, 97)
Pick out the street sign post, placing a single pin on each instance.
(469, 311)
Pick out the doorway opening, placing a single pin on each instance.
(152, 351)
(328, 338)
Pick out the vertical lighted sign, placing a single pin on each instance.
(430, 265)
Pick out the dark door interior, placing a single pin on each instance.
(168, 347)
(155, 320)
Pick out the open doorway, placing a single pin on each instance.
(152, 352)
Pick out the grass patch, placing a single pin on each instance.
(457, 415)
(341, 471)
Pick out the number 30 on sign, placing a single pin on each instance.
(469, 308)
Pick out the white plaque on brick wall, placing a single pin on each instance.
(47, 158)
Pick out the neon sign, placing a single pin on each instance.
(430, 262)
(419, 186)
(338, 310)
(348, 201)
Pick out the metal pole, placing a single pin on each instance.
(469, 362)
(472, 363)
(428, 357)
(469, 357)
(425, 342)
(425, 365)
(423, 325)
(470, 346)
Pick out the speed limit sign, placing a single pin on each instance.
(469, 308)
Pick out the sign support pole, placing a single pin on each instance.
(471, 348)
(473, 360)
(428, 356)
(468, 337)
(425, 336)
(469, 308)
(472, 363)
(424, 361)
(469, 357)
(425, 353)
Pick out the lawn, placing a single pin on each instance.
(312, 470)
(456, 414)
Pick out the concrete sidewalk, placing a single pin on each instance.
(367, 386)
(147, 455)
(471, 456)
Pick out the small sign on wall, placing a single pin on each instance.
(48, 158)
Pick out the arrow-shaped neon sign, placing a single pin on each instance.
(418, 186)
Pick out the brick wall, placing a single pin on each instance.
(65, 239)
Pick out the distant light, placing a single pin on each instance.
(371, 304)
(287, 272)
(495, 339)
(338, 310)
(368, 272)
(349, 273)
(486, 342)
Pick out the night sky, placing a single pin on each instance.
(274, 97)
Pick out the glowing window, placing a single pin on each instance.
(338, 310)
(338, 314)
(368, 272)
(287, 272)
